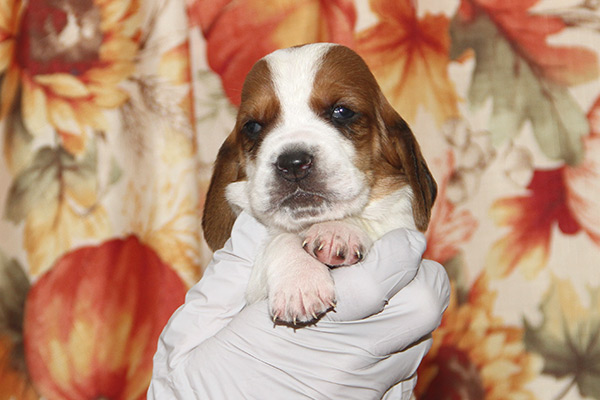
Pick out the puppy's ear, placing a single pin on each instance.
(401, 150)
(218, 216)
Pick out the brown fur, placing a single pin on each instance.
(258, 103)
(401, 150)
(384, 142)
(218, 216)
(387, 149)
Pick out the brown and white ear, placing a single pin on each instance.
(401, 150)
(219, 216)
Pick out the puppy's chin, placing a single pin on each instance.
(295, 212)
(284, 217)
(297, 219)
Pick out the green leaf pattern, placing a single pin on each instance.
(518, 93)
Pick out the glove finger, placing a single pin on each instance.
(411, 314)
(364, 289)
(416, 310)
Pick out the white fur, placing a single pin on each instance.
(236, 194)
(293, 71)
(390, 212)
(298, 286)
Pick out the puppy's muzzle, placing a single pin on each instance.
(294, 165)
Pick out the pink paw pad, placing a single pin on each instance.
(336, 243)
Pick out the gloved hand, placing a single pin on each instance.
(216, 347)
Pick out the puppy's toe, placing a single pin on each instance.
(336, 243)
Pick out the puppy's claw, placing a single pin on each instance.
(358, 254)
(321, 245)
(313, 314)
(305, 243)
(275, 316)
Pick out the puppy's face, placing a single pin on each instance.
(314, 140)
(305, 126)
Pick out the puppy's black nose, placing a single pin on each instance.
(294, 165)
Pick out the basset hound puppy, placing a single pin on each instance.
(320, 157)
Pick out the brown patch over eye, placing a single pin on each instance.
(345, 94)
(259, 109)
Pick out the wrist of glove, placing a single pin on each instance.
(215, 347)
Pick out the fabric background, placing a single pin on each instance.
(112, 111)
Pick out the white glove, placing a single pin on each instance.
(216, 348)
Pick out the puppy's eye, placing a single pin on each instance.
(252, 129)
(342, 114)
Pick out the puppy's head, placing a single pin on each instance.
(314, 140)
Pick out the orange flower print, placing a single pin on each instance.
(14, 383)
(409, 57)
(65, 62)
(238, 33)
(92, 322)
(530, 218)
(10, 13)
(475, 356)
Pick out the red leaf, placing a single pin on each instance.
(530, 218)
(240, 33)
(203, 13)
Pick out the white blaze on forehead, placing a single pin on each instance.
(293, 71)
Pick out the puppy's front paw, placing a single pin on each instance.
(336, 243)
(302, 294)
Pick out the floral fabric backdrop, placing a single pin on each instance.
(112, 111)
